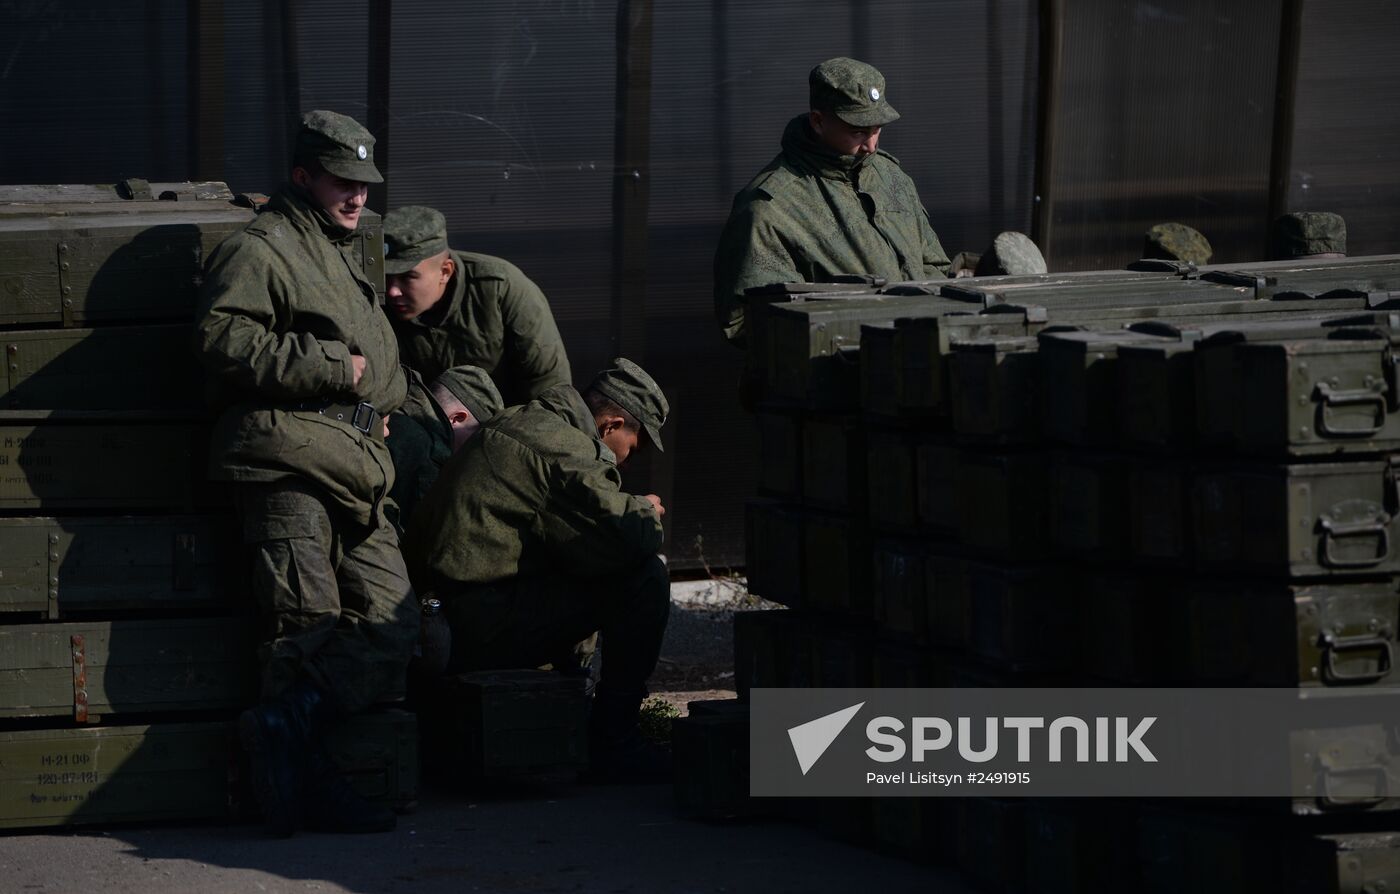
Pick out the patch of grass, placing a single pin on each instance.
(655, 719)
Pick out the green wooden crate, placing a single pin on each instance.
(113, 461)
(1330, 519)
(112, 368)
(86, 670)
(710, 752)
(834, 463)
(507, 724)
(774, 549)
(62, 566)
(77, 263)
(68, 777)
(377, 752)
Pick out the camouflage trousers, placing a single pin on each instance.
(530, 621)
(334, 595)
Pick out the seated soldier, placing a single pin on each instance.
(1176, 242)
(433, 423)
(1306, 235)
(531, 545)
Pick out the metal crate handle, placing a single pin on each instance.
(1332, 646)
(1330, 799)
(1334, 398)
(1333, 531)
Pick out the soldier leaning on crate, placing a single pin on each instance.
(830, 203)
(451, 308)
(433, 423)
(1303, 235)
(531, 545)
(305, 366)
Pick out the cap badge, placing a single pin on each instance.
(875, 94)
(363, 153)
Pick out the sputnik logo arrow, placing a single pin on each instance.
(810, 740)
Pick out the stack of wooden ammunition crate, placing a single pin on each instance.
(127, 633)
(1166, 476)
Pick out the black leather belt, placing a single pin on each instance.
(362, 416)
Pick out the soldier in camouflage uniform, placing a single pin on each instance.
(830, 203)
(1176, 242)
(304, 366)
(1309, 234)
(433, 423)
(1011, 254)
(531, 544)
(454, 308)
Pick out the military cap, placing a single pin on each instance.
(474, 388)
(1176, 242)
(853, 91)
(339, 144)
(1011, 254)
(1309, 233)
(412, 234)
(628, 385)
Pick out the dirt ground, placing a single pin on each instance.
(565, 838)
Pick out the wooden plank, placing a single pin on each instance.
(115, 774)
(62, 566)
(112, 368)
(48, 461)
(126, 667)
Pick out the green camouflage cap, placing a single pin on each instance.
(1309, 233)
(1176, 242)
(474, 388)
(628, 385)
(339, 144)
(852, 90)
(1011, 254)
(412, 234)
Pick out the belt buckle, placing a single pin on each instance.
(369, 416)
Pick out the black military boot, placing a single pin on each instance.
(276, 734)
(333, 806)
(617, 751)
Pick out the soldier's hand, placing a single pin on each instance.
(386, 425)
(357, 362)
(655, 501)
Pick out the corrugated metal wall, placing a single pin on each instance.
(502, 114)
(1346, 134)
(1165, 113)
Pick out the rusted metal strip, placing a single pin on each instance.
(80, 696)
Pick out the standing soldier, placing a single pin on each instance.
(454, 308)
(830, 203)
(305, 367)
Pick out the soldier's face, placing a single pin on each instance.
(343, 199)
(842, 138)
(624, 442)
(415, 291)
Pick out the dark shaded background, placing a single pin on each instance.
(597, 143)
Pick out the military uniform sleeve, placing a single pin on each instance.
(936, 260)
(235, 333)
(593, 527)
(532, 338)
(751, 253)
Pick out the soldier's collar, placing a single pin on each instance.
(811, 153)
(294, 202)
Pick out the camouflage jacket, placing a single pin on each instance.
(535, 492)
(811, 215)
(420, 441)
(493, 317)
(282, 308)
